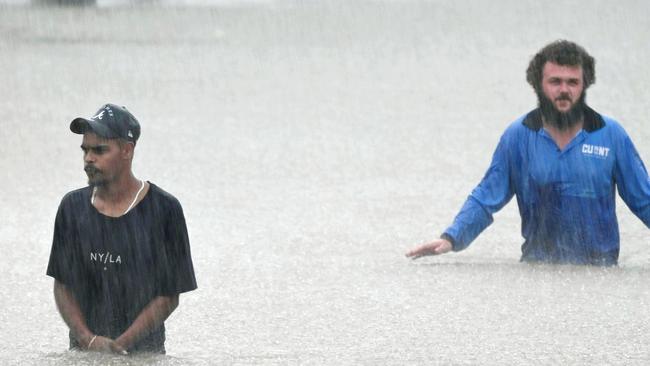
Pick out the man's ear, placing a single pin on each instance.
(127, 149)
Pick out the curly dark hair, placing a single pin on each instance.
(561, 52)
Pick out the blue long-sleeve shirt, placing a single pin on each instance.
(566, 197)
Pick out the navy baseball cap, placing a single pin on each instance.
(111, 122)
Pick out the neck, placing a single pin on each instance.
(562, 137)
(119, 190)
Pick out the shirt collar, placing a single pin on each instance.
(593, 120)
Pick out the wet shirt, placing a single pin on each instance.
(115, 266)
(566, 197)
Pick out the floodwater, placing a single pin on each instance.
(312, 144)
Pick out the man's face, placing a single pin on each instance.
(562, 98)
(104, 159)
(563, 85)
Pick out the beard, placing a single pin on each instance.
(95, 176)
(561, 120)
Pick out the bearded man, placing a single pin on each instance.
(564, 162)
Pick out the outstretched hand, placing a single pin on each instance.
(436, 247)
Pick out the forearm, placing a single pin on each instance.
(468, 224)
(151, 317)
(71, 313)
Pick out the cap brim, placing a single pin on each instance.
(82, 125)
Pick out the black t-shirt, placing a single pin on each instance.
(115, 266)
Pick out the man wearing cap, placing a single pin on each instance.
(120, 254)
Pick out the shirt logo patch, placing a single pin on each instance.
(105, 258)
(599, 151)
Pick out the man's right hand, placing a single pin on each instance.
(106, 345)
(436, 247)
